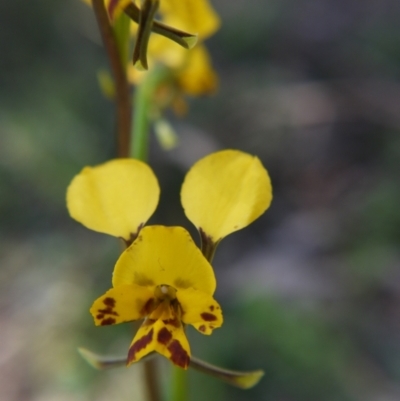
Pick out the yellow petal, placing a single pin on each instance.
(200, 310)
(192, 16)
(197, 77)
(114, 198)
(167, 339)
(122, 304)
(143, 343)
(225, 191)
(172, 343)
(166, 52)
(164, 255)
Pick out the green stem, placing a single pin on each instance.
(152, 380)
(143, 102)
(179, 389)
(122, 33)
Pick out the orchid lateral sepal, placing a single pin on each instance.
(184, 39)
(146, 17)
(243, 380)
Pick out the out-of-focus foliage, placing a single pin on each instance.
(310, 291)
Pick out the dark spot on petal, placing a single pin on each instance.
(109, 302)
(164, 336)
(142, 280)
(133, 236)
(107, 321)
(181, 283)
(211, 327)
(212, 308)
(148, 307)
(202, 328)
(140, 344)
(178, 355)
(208, 317)
(100, 316)
(108, 311)
(173, 322)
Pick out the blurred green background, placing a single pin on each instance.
(310, 292)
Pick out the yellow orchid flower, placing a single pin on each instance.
(162, 276)
(191, 69)
(150, 281)
(195, 16)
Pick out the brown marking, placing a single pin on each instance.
(164, 336)
(133, 236)
(107, 311)
(148, 307)
(202, 328)
(212, 308)
(106, 322)
(208, 245)
(178, 355)
(173, 322)
(109, 302)
(208, 317)
(140, 344)
(211, 327)
(181, 283)
(142, 280)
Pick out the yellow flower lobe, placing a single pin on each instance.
(115, 198)
(224, 192)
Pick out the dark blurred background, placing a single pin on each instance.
(310, 291)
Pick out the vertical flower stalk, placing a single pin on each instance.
(116, 55)
(179, 385)
(143, 102)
